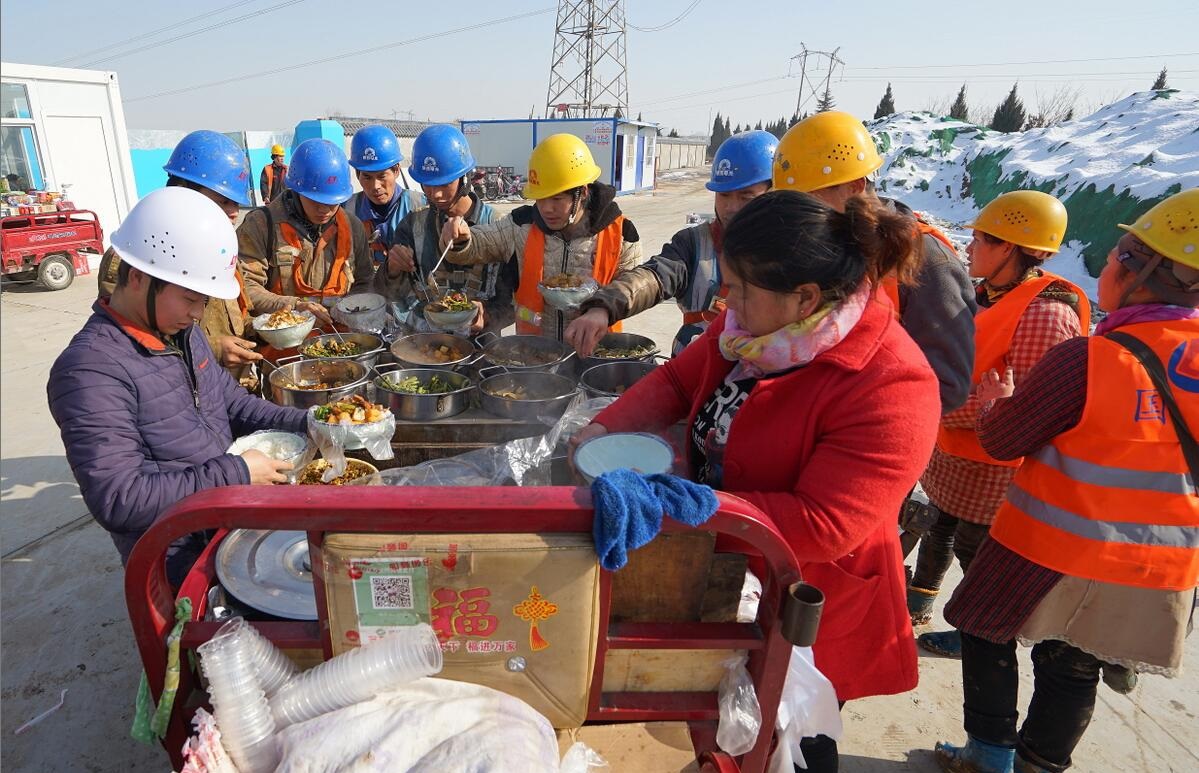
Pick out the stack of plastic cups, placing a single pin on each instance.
(358, 675)
(242, 712)
(274, 668)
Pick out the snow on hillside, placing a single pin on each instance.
(1107, 168)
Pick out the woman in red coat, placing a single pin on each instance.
(809, 400)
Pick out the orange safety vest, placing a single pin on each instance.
(993, 331)
(338, 283)
(604, 264)
(243, 300)
(889, 286)
(1112, 499)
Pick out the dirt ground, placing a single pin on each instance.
(63, 622)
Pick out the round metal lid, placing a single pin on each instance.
(269, 571)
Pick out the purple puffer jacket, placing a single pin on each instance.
(144, 427)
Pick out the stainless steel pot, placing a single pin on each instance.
(370, 346)
(407, 350)
(348, 374)
(412, 407)
(527, 353)
(611, 379)
(620, 341)
(548, 393)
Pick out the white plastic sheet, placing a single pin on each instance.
(808, 708)
(740, 714)
(334, 440)
(428, 726)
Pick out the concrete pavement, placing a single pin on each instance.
(63, 623)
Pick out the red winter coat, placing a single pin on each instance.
(829, 451)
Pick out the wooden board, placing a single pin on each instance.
(664, 670)
(723, 595)
(665, 581)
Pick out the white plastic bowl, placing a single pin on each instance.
(362, 312)
(637, 451)
(284, 446)
(450, 320)
(285, 337)
(568, 297)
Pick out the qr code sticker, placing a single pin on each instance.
(391, 592)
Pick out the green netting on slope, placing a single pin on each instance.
(1094, 216)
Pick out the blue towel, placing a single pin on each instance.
(629, 508)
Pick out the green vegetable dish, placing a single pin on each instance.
(412, 385)
(333, 349)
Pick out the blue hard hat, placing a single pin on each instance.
(319, 171)
(440, 155)
(742, 160)
(214, 161)
(374, 148)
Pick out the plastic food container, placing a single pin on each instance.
(568, 297)
(636, 451)
(363, 312)
(285, 337)
(284, 446)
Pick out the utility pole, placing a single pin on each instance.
(589, 76)
(815, 62)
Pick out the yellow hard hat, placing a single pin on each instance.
(1028, 218)
(277, 150)
(559, 163)
(1171, 227)
(824, 150)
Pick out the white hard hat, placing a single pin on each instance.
(182, 237)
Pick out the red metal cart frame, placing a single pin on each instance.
(468, 510)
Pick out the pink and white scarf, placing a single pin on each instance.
(793, 345)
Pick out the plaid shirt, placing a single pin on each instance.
(970, 490)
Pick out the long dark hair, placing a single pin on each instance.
(783, 239)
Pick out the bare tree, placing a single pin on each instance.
(938, 105)
(981, 114)
(1054, 107)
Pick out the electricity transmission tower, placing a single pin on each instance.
(588, 74)
(811, 65)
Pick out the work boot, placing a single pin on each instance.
(920, 604)
(1120, 678)
(975, 757)
(1021, 765)
(947, 643)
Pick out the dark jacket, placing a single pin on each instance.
(272, 181)
(938, 313)
(145, 424)
(491, 283)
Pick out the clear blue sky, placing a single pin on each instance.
(926, 50)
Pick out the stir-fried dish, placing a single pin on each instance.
(412, 385)
(455, 301)
(283, 318)
(622, 353)
(565, 281)
(312, 386)
(523, 356)
(350, 410)
(332, 348)
(313, 472)
(512, 393)
(441, 353)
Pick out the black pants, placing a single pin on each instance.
(1063, 699)
(949, 536)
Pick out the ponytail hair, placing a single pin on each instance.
(783, 239)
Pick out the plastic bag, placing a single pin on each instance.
(740, 714)
(522, 462)
(581, 758)
(284, 446)
(808, 708)
(334, 440)
(751, 597)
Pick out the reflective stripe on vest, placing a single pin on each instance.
(993, 331)
(338, 281)
(605, 262)
(1112, 499)
(478, 281)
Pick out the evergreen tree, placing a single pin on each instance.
(638, 116)
(959, 109)
(794, 119)
(717, 135)
(737, 129)
(758, 127)
(1010, 115)
(885, 107)
(673, 133)
(727, 132)
(826, 101)
(1160, 83)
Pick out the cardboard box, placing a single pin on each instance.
(515, 612)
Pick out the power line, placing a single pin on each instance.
(346, 55)
(1014, 64)
(152, 33)
(670, 23)
(200, 31)
(651, 103)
